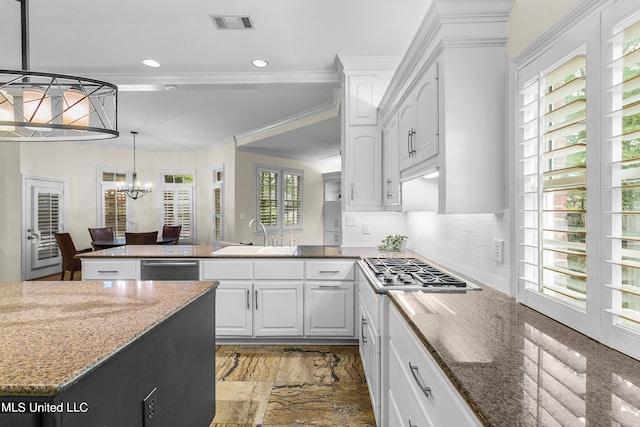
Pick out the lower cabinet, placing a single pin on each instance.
(329, 309)
(419, 393)
(283, 298)
(234, 313)
(277, 309)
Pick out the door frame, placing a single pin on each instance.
(28, 181)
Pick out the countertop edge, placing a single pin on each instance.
(49, 390)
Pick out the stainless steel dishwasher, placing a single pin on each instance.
(173, 269)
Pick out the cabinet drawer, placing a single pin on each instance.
(226, 269)
(106, 270)
(279, 270)
(331, 270)
(442, 403)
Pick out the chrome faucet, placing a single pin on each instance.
(264, 229)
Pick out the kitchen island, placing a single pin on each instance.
(89, 353)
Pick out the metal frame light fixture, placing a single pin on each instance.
(134, 190)
(54, 107)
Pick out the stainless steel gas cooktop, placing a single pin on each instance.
(414, 274)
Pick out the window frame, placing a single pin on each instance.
(176, 186)
(593, 31)
(281, 228)
(101, 186)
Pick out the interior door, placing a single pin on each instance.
(42, 219)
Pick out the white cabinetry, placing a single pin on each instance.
(365, 80)
(390, 163)
(419, 392)
(371, 335)
(99, 269)
(449, 96)
(418, 121)
(363, 167)
(284, 298)
(329, 298)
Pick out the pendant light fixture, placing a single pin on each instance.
(54, 107)
(134, 190)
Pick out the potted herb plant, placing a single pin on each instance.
(393, 243)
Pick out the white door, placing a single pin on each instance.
(42, 219)
(277, 309)
(233, 309)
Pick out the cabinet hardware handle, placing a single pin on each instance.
(108, 271)
(362, 325)
(256, 294)
(416, 376)
(409, 143)
(329, 271)
(352, 190)
(413, 150)
(248, 302)
(388, 185)
(337, 223)
(330, 286)
(411, 424)
(171, 264)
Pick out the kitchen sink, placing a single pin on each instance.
(257, 250)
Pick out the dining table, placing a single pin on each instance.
(120, 241)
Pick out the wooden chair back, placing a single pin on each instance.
(68, 251)
(103, 233)
(147, 238)
(172, 231)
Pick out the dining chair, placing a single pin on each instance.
(103, 233)
(69, 251)
(172, 231)
(147, 238)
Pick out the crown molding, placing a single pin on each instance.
(318, 114)
(550, 37)
(142, 82)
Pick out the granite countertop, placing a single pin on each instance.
(517, 367)
(54, 333)
(205, 251)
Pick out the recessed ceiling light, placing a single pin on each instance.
(151, 63)
(259, 63)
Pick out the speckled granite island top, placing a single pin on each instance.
(517, 367)
(54, 333)
(205, 251)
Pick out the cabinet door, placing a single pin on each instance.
(370, 354)
(364, 170)
(278, 309)
(425, 139)
(329, 309)
(233, 309)
(391, 165)
(406, 119)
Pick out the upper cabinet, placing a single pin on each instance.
(448, 96)
(418, 121)
(390, 164)
(364, 81)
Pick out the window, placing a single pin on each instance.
(178, 189)
(279, 198)
(113, 205)
(623, 171)
(579, 178)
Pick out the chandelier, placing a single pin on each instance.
(134, 190)
(40, 106)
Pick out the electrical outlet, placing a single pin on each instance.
(150, 409)
(351, 221)
(498, 250)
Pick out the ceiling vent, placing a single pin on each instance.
(232, 22)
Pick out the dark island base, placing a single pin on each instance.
(176, 358)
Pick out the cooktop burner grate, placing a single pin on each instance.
(411, 272)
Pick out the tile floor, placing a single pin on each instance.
(291, 386)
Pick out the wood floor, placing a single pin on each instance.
(291, 386)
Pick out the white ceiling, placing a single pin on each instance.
(219, 95)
